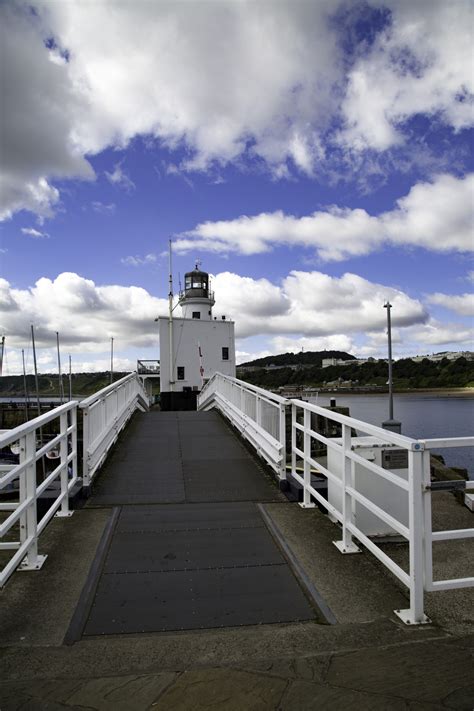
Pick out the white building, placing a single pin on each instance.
(200, 343)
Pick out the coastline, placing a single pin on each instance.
(442, 392)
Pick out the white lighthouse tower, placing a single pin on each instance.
(194, 346)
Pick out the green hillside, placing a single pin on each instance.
(302, 358)
(83, 384)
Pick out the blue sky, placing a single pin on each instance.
(317, 158)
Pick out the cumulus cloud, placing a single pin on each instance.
(311, 304)
(36, 234)
(38, 141)
(437, 215)
(85, 314)
(462, 304)
(421, 63)
(190, 75)
(435, 333)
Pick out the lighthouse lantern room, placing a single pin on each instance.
(196, 300)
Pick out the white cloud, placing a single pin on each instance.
(138, 261)
(36, 234)
(437, 216)
(119, 178)
(311, 304)
(191, 75)
(462, 304)
(104, 208)
(420, 64)
(85, 315)
(435, 333)
(37, 136)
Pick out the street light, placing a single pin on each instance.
(390, 424)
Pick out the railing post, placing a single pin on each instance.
(22, 491)
(346, 545)
(282, 439)
(258, 410)
(74, 440)
(86, 480)
(32, 560)
(293, 439)
(428, 526)
(63, 447)
(307, 503)
(415, 614)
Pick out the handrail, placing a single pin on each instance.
(88, 401)
(398, 498)
(249, 386)
(23, 511)
(105, 414)
(258, 414)
(10, 436)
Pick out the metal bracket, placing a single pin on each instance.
(306, 506)
(24, 565)
(60, 514)
(453, 485)
(405, 616)
(351, 548)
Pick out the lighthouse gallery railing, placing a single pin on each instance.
(241, 403)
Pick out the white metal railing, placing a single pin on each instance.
(411, 518)
(396, 496)
(258, 414)
(22, 515)
(105, 414)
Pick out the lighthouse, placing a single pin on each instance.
(195, 345)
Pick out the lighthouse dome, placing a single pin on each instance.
(196, 284)
(196, 299)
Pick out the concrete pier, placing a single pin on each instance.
(276, 617)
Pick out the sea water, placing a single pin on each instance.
(423, 416)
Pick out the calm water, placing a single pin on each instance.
(424, 415)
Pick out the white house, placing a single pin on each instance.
(200, 343)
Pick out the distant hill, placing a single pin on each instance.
(302, 358)
(83, 384)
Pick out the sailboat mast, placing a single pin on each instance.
(38, 404)
(111, 360)
(2, 351)
(61, 388)
(170, 321)
(25, 386)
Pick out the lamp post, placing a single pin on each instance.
(390, 424)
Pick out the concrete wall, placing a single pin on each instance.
(187, 335)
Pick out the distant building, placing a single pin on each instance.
(450, 355)
(199, 344)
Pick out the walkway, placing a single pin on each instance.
(187, 547)
(174, 539)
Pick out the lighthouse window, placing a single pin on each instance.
(180, 372)
(225, 354)
(196, 314)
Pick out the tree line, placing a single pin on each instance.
(406, 374)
